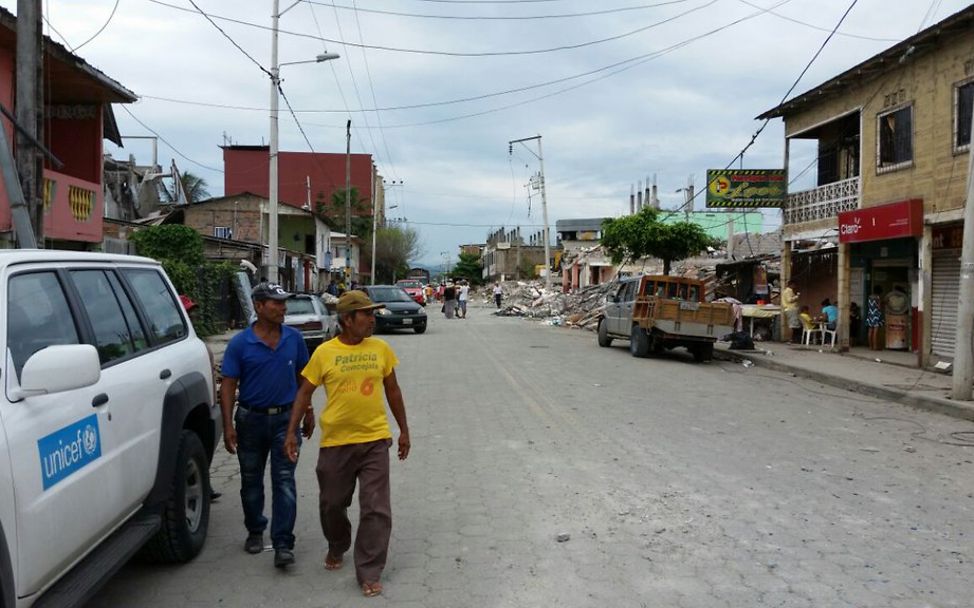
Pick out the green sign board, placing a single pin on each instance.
(745, 188)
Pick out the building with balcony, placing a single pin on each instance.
(893, 137)
(77, 116)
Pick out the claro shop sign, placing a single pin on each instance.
(892, 221)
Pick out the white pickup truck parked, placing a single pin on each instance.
(108, 423)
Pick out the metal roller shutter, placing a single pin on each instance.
(946, 295)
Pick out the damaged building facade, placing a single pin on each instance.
(893, 138)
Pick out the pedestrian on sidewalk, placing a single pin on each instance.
(450, 300)
(789, 304)
(855, 320)
(874, 317)
(264, 361)
(357, 371)
(464, 295)
(498, 294)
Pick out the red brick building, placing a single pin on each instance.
(246, 169)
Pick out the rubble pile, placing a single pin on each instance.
(580, 308)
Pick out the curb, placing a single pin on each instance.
(939, 405)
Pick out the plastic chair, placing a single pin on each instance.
(808, 332)
(826, 332)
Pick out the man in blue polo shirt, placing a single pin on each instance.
(264, 361)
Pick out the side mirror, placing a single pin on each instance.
(59, 368)
(614, 299)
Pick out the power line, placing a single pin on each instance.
(227, 36)
(100, 30)
(166, 141)
(637, 58)
(783, 99)
(818, 27)
(565, 47)
(378, 118)
(608, 11)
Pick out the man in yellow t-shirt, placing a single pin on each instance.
(356, 370)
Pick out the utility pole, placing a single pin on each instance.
(348, 200)
(964, 338)
(375, 223)
(730, 235)
(29, 108)
(544, 203)
(272, 254)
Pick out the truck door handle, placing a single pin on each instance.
(164, 374)
(99, 400)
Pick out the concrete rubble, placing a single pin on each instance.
(580, 308)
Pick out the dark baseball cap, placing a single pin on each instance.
(269, 291)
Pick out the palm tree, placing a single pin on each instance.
(194, 186)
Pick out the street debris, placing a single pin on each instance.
(564, 537)
(580, 308)
(747, 363)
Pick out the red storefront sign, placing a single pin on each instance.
(892, 221)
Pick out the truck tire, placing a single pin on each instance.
(702, 352)
(604, 339)
(186, 515)
(638, 342)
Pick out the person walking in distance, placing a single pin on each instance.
(357, 371)
(450, 300)
(874, 318)
(264, 361)
(462, 297)
(498, 294)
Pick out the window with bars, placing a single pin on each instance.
(222, 232)
(895, 141)
(963, 107)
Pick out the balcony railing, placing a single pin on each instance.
(72, 208)
(822, 203)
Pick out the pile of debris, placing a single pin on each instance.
(580, 308)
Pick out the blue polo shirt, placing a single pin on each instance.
(267, 377)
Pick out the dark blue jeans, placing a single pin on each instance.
(257, 436)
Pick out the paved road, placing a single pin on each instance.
(679, 485)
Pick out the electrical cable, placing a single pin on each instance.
(565, 47)
(100, 30)
(378, 117)
(502, 17)
(638, 59)
(819, 28)
(227, 36)
(165, 141)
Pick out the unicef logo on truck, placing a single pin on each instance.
(68, 450)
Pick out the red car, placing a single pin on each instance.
(414, 289)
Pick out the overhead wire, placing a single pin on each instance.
(166, 141)
(817, 27)
(100, 30)
(608, 11)
(378, 117)
(565, 47)
(635, 61)
(228, 37)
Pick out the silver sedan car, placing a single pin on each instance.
(308, 314)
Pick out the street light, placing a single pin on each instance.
(375, 216)
(272, 257)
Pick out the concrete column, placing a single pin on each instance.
(844, 287)
(785, 331)
(926, 295)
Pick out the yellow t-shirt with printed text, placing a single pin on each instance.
(355, 411)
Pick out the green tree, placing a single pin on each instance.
(332, 212)
(194, 186)
(643, 235)
(395, 248)
(468, 267)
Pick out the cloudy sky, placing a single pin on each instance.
(647, 87)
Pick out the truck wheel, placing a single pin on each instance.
(702, 352)
(604, 339)
(186, 515)
(638, 342)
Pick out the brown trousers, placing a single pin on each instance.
(338, 470)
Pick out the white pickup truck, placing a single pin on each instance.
(108, 423)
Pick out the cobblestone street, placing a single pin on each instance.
(676, 484)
